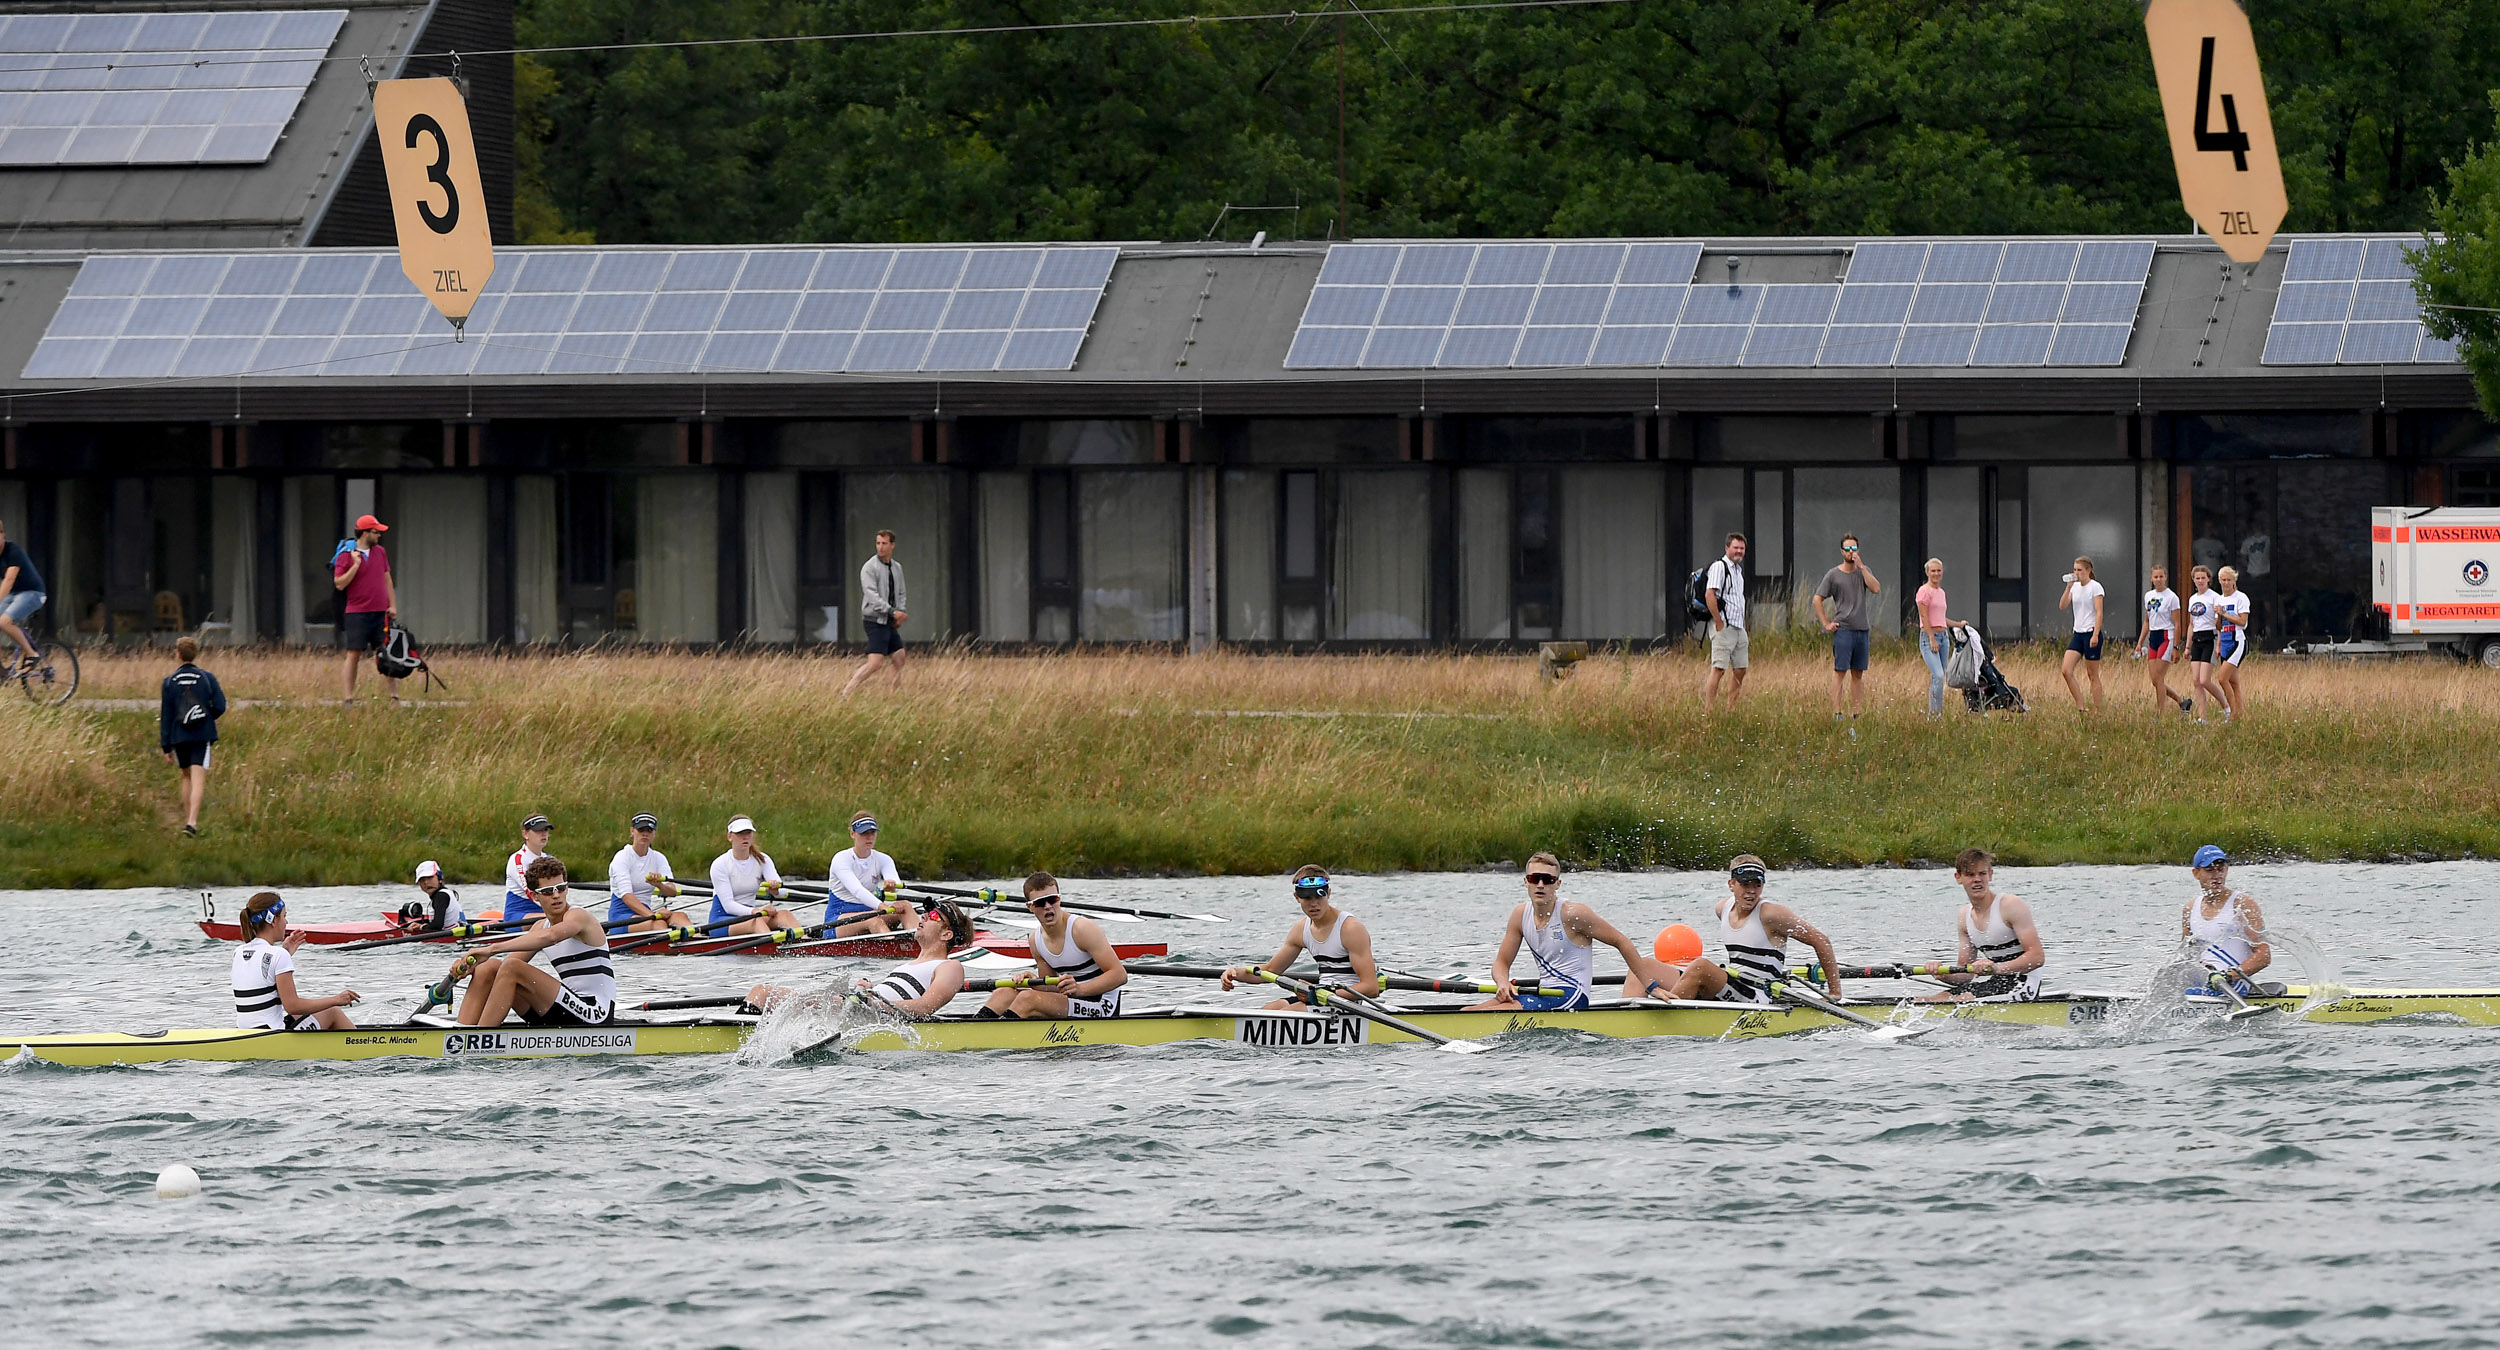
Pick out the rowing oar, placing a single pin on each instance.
(2242, 1008)
(995, 896)
(739, 1000)
(1886, 1032)
(1894, 971)
(1410, 982)
(451, 934)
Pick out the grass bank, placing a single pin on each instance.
(1230, 763)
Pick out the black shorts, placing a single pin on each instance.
(571, 1010)
(2087, 643)
(882, 639)
(361, 631)
(2201, 646)
(193, 755)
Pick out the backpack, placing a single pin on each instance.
(400, 657)
(1697, 594)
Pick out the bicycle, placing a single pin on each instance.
(50, 681)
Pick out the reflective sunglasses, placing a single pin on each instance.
(1040, 901)
(1542, 879)
(551, 892)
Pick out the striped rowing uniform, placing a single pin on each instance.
(254, 976)
(2222, 942)
(588, 995)
(905, 983)
(1754, 957)
(1069, 961)
(1996, 941)
(1336, 968)
(1569, 966)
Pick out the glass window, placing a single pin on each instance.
(307, 505)
(1955, 534)
(772, 556)
(913, 506)
(1006, 556)
(806, 445)
(1718, 511)
(438, 553)
(2450, 435)
(1370, 440)
(1614, 560)
(536, 616)
(2271, 436)
(2089, 512)
(2299, 536)
(1757, 439)
(1249, 536)
(1865, 502)
(676, 559)
(1512, 440)
(1769, 555)
(2071, 436)
(1484, 554)
(1085, 443)
(1382, 557)
(1536, 555)
(1130, 536)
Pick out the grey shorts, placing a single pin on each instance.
(1729, 649)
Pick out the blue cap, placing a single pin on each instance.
(2209, 855)
(864, 825)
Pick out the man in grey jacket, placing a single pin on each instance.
(882, 610)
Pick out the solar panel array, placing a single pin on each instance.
(155, 88)
(2349, 302)
(580, 312)
(1903, 303)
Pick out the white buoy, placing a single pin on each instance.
(177, 1183)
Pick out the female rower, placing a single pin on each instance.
(918, 988)
(743, 879)
(263, 976)
(581, 989)
(2202, 608)
(2231, 641)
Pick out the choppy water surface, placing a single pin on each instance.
(2172, 1182)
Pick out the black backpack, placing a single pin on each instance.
(400, 657)
(1697, 595)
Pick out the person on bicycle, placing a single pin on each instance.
(21, 594)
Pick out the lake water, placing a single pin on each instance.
(2171, 1181)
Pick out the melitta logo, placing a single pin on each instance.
(2477, 572)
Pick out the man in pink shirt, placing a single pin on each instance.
(368, 602)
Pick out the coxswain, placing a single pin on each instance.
(439, 905)
(1070, 951)
(263, 976)
(918, 988)
(744, 882)
(1754, 934)
(862, 882)
(2223, 928)
(1562, 936)
(638, 881)
(580, 988)
(517, 904)
(2000, 947)
(1334, 938)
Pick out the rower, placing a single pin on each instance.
(1069, 949)
(923, 987)
(1755, 935)
(1334, 938)
(638, 880)
(440, 907)
(2225, 927)
(580, 990)
(262, 976)
(862, 881)
(1562, 935)
(1999, 946)
(517, 904)
(743, 879)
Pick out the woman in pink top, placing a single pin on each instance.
(1932, 624)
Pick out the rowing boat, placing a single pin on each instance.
(1283, 1029)
(900, 945)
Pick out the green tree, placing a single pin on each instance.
(2457, 274)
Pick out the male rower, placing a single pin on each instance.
(580, 990)
(1754, 934)
(1334, 938)
(1072, 950)
(440, 907)
(744, 883)
(2224, 927)
(918, 988)
(2000, 946)
(861, 881)
(517, 904)
(1562, 935)
(638, 880)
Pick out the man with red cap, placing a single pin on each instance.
(368, 603)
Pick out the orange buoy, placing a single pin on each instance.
(1678, 945)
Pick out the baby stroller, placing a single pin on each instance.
(1969, 668)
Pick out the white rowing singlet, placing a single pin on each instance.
(905, 983)
(1069, 962)
(1997, 943)
(1336, 969)
(587, 974)
(254, 977)
(1567, 964)
(2222, 941)
(1749, 946)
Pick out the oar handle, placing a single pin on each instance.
(454, 933)
(709, 1001)
(1896, 970)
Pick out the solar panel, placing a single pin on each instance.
(155, 88)
(2349, 302)
(1501, 303)
(1980, 302)
(584, 312)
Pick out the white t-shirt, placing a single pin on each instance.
(2236, 605)
(254, 978)
(2161, 610)
(517, 864)
(629, 873)
(735, 883)
(2082, 594)
(1728, 579)
(861, 881)
(2200, 608)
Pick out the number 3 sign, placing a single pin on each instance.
(2205, 59)
(436, 200)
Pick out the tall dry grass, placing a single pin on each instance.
(1092, 762)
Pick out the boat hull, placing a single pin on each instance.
(412, 1042)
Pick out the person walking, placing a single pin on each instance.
(1729, 650)
(1934, 644)
(186, 727)
(882, 610)
(21, 594)
(1846, 588)
(2084, 596)
(2202, 607)
(2159, 640)
(2231, 642)
(361, 571)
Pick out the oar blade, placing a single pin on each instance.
(2248, 1010)
(1465, 1047)
(1895, 1033)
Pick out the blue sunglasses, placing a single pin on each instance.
(1311, 886)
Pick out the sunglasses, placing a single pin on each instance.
(1040, 901)
(552, 891)
(1848, 548)
(1542, 878)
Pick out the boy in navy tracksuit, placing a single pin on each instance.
(186, 726)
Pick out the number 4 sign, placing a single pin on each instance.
(2220, 136)
(436, 199)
